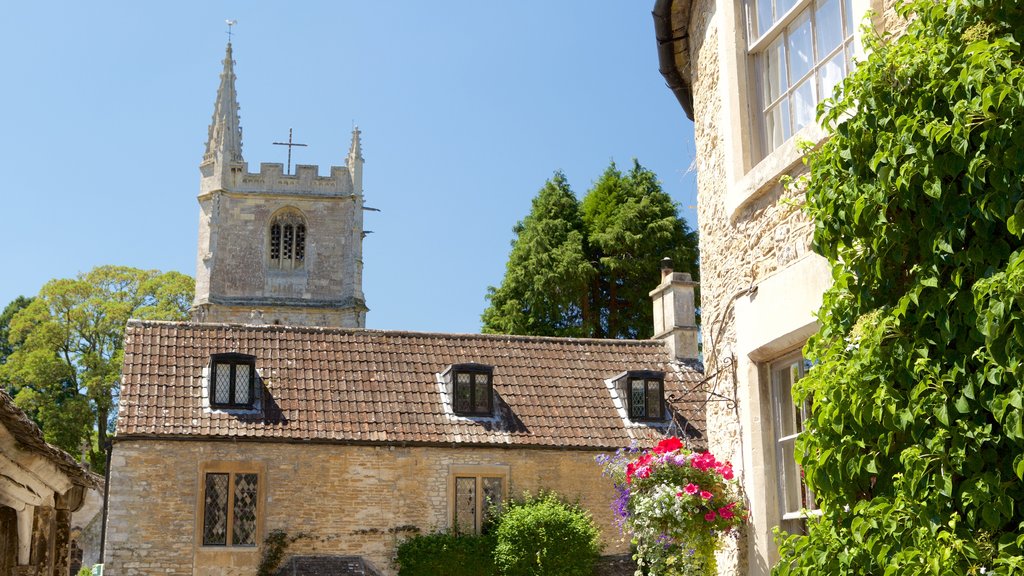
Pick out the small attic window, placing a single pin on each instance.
(644, 394)
(232, 381)
(471, 389)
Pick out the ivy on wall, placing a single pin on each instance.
(915, 450)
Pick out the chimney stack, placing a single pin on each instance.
(675, 316)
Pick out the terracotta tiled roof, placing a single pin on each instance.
(356, 385)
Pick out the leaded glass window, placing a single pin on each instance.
(215, 510)
(232, 381)
(472, 392)
(644, 393)
(230, 507)
(476, 499)
(287, 240)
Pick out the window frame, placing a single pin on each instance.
(646, 376)
(786, 467)
(756, 48)
(234, 359)
(475, 371)
(287, 234)
(479, 473)
(232, 470)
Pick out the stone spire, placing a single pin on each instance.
(355, 161)
(356, 150)
(225, 139)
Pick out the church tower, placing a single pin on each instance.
(276, 248)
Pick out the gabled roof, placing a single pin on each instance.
(371, 386)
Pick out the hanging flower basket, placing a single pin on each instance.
(677, 505)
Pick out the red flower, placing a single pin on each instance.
(706, 495)
(668, 445)
(692, 488)
(710, 516)
(725, 513)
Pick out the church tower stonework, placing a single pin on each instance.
(276, 248)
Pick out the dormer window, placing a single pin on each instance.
(644, 395)
(471, 389)
(232, 381)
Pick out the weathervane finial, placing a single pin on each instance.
(230, 23)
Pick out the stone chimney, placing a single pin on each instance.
(675, 318)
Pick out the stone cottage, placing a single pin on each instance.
(276, 413)
(41, 490)
(750, 74)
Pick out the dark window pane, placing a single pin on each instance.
(275, 242)
(637, 403)
(465, 505)
(244, 530)
(215, 510)
(243, 384)
(482, 394)
(300, 243)
(462, 396)
(221, 392)
(286, 242)
(654, 399)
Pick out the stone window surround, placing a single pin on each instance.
(748, 176)
(478, 471)
(771, 322)
(232, 468)
(206, 394)
(294, 218)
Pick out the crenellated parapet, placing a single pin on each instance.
(271, 179)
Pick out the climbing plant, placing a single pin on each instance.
(915, 450)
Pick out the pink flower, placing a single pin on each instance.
(727, 473)
(668, 445)
(692, 488)
(706, 495)
(710, 516)
(725, 513)
(679, 494)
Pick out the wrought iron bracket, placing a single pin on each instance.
(708, 386)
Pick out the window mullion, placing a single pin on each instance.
(231, 511)
(231, 385)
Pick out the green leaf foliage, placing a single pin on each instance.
(586, 268)
(544, 536)
(446, 554)
(66, 348)
(915, 450)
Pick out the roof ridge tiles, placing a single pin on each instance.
(165, 324)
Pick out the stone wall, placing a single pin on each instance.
(233, 262)
(345, 499)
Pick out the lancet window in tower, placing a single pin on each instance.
(287, 241)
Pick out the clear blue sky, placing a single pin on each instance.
(466, 108)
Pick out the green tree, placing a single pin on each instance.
(585, 269)
(67, 344)
(545, 285)
(915, 450)
(5, 325)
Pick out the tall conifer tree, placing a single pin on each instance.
(585, 269)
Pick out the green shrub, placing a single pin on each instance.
(446, 554)
(544, 536)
